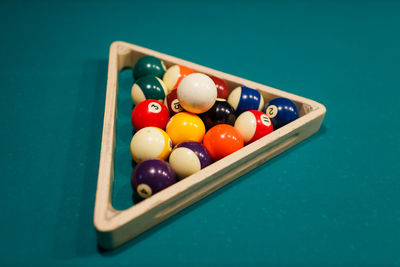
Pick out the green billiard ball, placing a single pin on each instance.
(149, 65)
(148, 87)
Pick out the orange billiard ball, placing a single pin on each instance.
(174, 75)
(222, 140)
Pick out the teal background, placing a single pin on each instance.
(331, 200)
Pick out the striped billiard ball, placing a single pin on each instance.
(174, 75)
(245, 98)
(188, 158)
(148, 87)
(149, 143)
(253, 125)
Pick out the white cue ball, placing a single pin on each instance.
(197, 93)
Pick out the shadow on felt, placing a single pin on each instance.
(172, 219)
(75, 235)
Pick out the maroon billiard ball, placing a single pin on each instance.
(222, 87)
(172, 103)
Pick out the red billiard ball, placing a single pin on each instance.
(150, 112)
(222, 140)
(222, 87)
(253, 125)
(172, 103)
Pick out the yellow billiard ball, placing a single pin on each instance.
(185, 126)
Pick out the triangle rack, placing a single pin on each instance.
(115, 227)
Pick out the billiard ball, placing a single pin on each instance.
(281, 111)
(149, 112)
(172, 103)
(222, 140)
(151, 176)
(185, 126)
(150, 142)
(149, 65)
(148, 87)
(244, 98)
(222, 87)
(220, 113)
(253, 125)
(197, 93)
(174, 75)
(188, 158)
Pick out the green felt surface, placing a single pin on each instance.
(331, 200)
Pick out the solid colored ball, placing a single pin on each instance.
(253, 125)
(174, 75)
(222, 87)
(220, 113)
(185, 126)
(281, 111)
(149, 65)
(222, 140)
(150, 143)
(148, 87)
(149, 113)
(172, 103)
(188, 158)
(197, 93)
(244, 98)
(151, 176)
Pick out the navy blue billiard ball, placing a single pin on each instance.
(220, 113)
(245, 98)
(281, 111)
(152, 176)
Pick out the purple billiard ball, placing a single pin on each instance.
(152, 176)
(188, 158)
